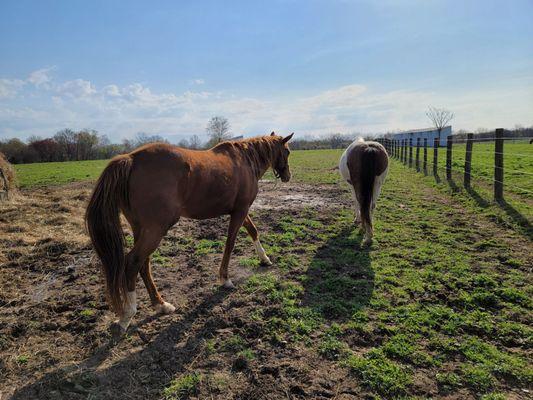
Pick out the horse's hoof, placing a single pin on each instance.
(116, 330)
(367, 242)
(228, 284)
(266, 262)
(165, 308)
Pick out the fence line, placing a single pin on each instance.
(402, 149)
(488, 180)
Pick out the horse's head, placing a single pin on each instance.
(280, 159)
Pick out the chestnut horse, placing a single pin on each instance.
(364, 165)
(157, 184)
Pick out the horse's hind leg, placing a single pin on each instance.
(252, 231)
(357, 207)
(146, 241)
(235, 223)
(157, 302)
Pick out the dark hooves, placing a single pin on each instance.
(116, 330)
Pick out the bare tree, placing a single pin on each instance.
(194, 142)
(440, 117)
(218, 130)
(336, 140)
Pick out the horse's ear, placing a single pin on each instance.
(272, 134)
(286, 139)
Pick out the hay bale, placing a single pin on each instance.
(7, 178)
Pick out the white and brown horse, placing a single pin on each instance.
(157, 184)
(364, 166)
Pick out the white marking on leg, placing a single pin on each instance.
(261, 252)
(165, 308)
(130, 309)
(378, 182)
(228, 284)
(357, 208)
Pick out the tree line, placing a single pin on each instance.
(69, 145)
(87, 144)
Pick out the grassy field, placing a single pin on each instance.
(518, 178)
(57, 173)
(440, 306)
(517, 159)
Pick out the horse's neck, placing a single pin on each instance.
(252, 155)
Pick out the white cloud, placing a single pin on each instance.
(41, 77)
(77, 88)
(121, 111)
(10, 87)
(198, 81)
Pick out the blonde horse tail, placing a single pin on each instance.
(102, 219)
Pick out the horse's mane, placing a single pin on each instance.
(258, 151)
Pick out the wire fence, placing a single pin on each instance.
(488, 168)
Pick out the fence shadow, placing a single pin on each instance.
(517, 217)
(141, 374)
(511, 212)
(340, 279)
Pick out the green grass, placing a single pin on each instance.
(56, 173)
(183, 386)
(517, 160)
(437, 293)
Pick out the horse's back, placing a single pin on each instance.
(351, 162)
(191, 183)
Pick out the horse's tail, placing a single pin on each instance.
(366, 179)
(102, 219)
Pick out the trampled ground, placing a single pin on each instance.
(439, 306)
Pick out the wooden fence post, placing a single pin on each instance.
(449, 144)
(397, 149)
(417, 154)
(498, 165)
(405, 151)
(436, 144)
(410, 152)
(425, 156)
(468, 159)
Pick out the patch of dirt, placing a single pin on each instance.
(54, 340)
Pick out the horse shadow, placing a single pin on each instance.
(140, 374)
(340, 279)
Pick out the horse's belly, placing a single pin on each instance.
(203, 204)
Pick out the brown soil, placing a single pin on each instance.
(50, 348)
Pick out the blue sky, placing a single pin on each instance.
(313, 67)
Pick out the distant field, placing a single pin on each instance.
(517, 160)
(307, 166)
(56, 173)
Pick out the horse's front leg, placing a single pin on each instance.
(252, 231)
(237, 218)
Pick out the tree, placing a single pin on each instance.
(142, 138)
(66, 138)
(86, 141)
(440, 117)
(47, 149)
(336, 140)
(218, 130)
(194, 142)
